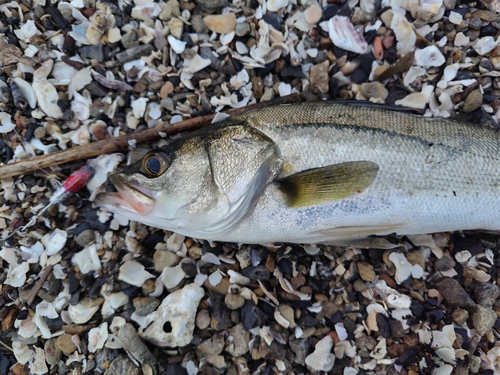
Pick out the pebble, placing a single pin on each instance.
(366, 271)
(473, 101)
(221, 315)
(445, 263)
(212, 346)
(288, 313)
(375, 90)
(483, 319)
(221, 23)
(455, 295)
(486, 294)
(66, 344)
(85, 238)
(321, 359)
(459, 316)
(203, 319)
(170, 9)
(122, 365)
(234, 301)
(259, 272)
(52, 352)
(92, 52)
(275, 351)
(301, 348)
(240, 339)
(252, 316)
(319, 78)
(164, 258)
(135, 53)
(242, 29)
(176, 26)
(145, 305)
(212, 6)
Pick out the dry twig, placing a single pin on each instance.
(114, 144)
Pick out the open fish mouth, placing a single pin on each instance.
(128, 196)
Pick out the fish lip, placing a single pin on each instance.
(122, 185)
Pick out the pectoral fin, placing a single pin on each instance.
(334, 182)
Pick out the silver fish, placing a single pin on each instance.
(316, 173)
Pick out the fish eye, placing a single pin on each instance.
(155, 163)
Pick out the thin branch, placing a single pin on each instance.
(114, 144)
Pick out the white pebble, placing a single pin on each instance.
(455, 18)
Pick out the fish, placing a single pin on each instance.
(316, 172)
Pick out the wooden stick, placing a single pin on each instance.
(114, 144)
(38, 285)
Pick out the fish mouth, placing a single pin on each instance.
(128, 196)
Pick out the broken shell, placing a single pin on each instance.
(98, 337)
(178, 309)
(46, 93)
(87, 260)
(343, 34)
(429, 56)
(177, 45)
(27, 91)
(172, 276)
(413, 74)
(275, 5)
(403, 267)
(83, 311)
(6, 121)
(405, 35)
(132, 343)
(54, 241)
(133, 273)
(321, 359)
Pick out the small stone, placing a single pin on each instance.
(474, 364)
(135, 53)
(445, 263)
(176, 26)
(52, 352)
(92, 52)
(460, 316)
(473, 101)
(242, 29)
(396, 327)
(313, 14)
(275, 351)
(212, 6)
(252, 316)
(483, 319)
(198, 24)
(164, 258)
(169, 10)
(319, 78)
(366, 271)
(221, 23)
(122, 365)
(486, 294)
(287, 313)
(375, 91)
(212, 346)
(359, 286)
(301, 348)
(203, 319)
(40, 132)
(234, 301)
(85, 238)
(217, 361)
(221, 315)
(257, 87)
(455, 295)
(66, 344)
(259, 272)
(240, 339)
(145, 305)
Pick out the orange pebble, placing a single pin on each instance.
(378, 49)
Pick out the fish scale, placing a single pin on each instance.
(433, 175)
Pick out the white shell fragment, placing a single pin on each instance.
(133, 273)
(405, 35)
(6, 123)
(179, 309)
(54, 241)
(172, 276)
(98, 337)
(321, 359)
(27, 91)
(83, 311)
(177, 45)
(429, 56)
(87, 260)
(344, 35)
(275, 5)
(46, 93)
(485, 45)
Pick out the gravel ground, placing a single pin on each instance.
(86, 292)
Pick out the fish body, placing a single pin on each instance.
(317, 173)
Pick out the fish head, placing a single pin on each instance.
(200, 186)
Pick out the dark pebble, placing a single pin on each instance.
(92, 220)
(307, 320)
(407, 358)
(252, 316)
(275, 351)
(135, 53)
(301, 349)
(370, 36)
(256, 273)
(221, 315)
(435, 316)
(212, 6)
(464, 74)
(292, 71)
(215, 62)
(488, 30)
(396, 92)
(391, 55)
(273, 19)
(330, 11)
(366, 62)
(206, 248)
(285, 266)
(486, 294)
(475, 23)
(189, 267)
(455, 295)
(97, 89)
(444, 264)
(384, 329)
(153, 239)
(396, 327)
(93, 52)
(473, 244)
(359, 76)
(333, 88)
